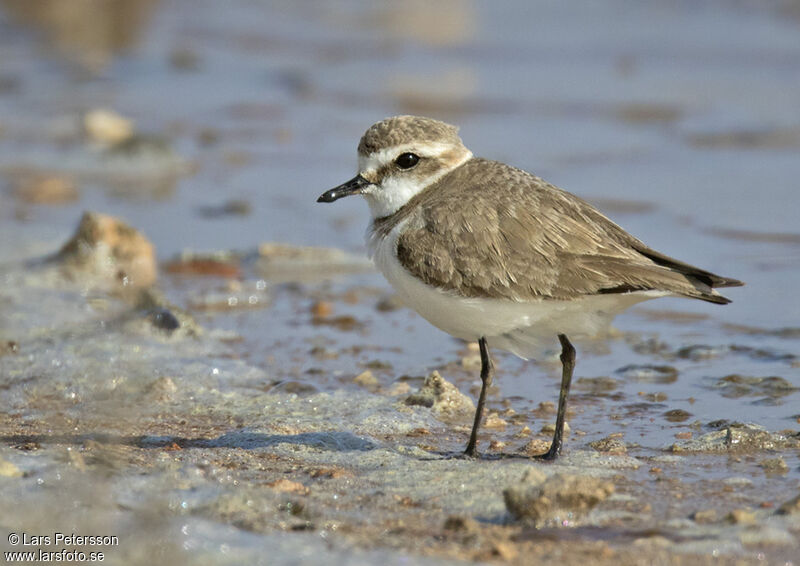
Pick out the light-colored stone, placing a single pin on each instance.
(559, 499)
(107, 248)
(444, 398)
(107, 127)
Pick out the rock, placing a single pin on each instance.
(107, 248)
(557, 500)
(524, 432)
(442, 397)
(9, 469)
(536, 447)
(612, 444)
(736, 437)
(677, 415)
(493, 420)
(366, 379)
(107, 127)
(45, 189)
(164, 319)
(161, 315)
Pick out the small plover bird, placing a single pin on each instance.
(490, 253)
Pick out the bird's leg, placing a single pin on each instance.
(487, 372)
(567, 367)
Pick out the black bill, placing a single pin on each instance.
(351, 187)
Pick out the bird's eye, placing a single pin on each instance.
(406, 160)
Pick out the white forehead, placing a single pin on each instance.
(378, 159)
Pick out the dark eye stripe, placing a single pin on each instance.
(407, 160)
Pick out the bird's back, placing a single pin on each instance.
(489, 230)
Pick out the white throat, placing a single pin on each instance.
(396, 190)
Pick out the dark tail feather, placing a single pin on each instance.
(703, 276)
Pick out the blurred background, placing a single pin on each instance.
(681, 120)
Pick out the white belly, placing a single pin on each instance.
(523, 328)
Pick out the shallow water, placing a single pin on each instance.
(679, 120)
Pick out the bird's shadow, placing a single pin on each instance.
(493, 457)
(336, 441)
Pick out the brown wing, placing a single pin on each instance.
(495, 231)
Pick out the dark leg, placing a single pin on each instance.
(567, 366)
(487, 372)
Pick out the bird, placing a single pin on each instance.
(490, 253)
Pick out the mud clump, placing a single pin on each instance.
(737, 437)
(611, 444)
(560, 499)
(443, 398)
(161, 316)
(110, 251)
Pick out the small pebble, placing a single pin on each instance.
(523, 432)
(536, 446)
(107, 127)
(493, 420)
(366, 379)
(611, 444)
